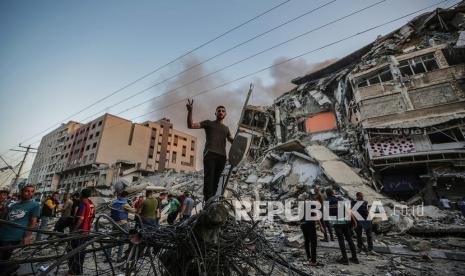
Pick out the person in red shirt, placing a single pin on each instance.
(82, 223)
(138, 203)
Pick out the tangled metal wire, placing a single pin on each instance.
(212, 242)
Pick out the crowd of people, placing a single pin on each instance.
(75, 213)
(344, 228)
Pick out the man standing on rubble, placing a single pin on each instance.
(364, 224)
(214, 156)
(120, 210)
(3, 203)
(25, 213)
(342, 228)
(82, 223)
(49, 210)
(149, 209)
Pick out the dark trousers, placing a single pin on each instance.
(343, 231)
(63, 223)
(213, 165)
(328, 229)
(172, 217)
(309, 231)
(5, 255)
(76, 262)
(364, 225)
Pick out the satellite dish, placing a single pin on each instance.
(239, 148)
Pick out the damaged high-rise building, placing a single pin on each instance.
(394, 109)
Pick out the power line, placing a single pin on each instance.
(213, 57)
(285, 61)
(223, 52)
(162, 66)
(240, 61)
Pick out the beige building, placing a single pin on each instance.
(47, 161)
(90, 152)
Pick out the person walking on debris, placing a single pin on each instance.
(308, 228)
(174, 209)
(326, 224)
(66, 219)
(342, 228)
(462, 205)
(214, 156)
(149, 210)
(82, 223)
(25, 213)
(187, 206)
(120, 210)
(161, 202)
(364, 224)
(49, 209)
(138, 202)
(3, 203)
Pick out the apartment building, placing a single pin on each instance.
(394, 109)
(48, 158)
(91, 151)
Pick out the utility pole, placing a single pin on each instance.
(26, 152)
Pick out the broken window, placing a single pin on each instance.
(447, 136)
(454, 56)
(379, 76)
(418, 65)
(320, 122)
(184, 151)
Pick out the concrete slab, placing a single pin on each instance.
(340, 173)
(320, 153)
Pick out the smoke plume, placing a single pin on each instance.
(233, 99)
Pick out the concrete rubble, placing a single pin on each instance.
(386, 120)
(373, 122)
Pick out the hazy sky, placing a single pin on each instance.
(56, 57)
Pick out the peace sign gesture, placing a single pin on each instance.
(189, 104)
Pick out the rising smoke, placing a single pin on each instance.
(233, 99)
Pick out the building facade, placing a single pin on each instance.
(47, 161)
(91, 154)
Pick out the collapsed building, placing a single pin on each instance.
(393, 110)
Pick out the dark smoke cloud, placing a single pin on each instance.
(205, 104)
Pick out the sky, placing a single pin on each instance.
(58, 57)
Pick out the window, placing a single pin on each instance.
(100, 123)
(173, 157)
(97, 134)
(192, 145)
(184, 151)
(93, 126)
(94, 145)
(91, 136)
(379, 76)
(191, 161)
(88, 147)
(418, 65)
(175, 142)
